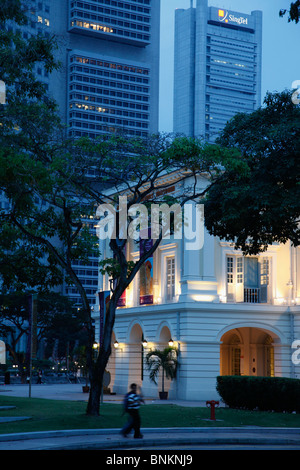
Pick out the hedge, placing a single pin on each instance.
(262, 393)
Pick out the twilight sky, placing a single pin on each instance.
(280, 48)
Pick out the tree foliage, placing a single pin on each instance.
(293, 12)
(18, 56)
(262, 205)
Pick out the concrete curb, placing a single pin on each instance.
(158, 438)
(116, 431)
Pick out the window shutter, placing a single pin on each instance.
(230, 279)
(239, 291)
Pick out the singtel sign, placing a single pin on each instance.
(226, 17)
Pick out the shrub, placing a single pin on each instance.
(262, 393)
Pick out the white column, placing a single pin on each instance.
(209, 257)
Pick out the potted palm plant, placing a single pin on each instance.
(166, 361)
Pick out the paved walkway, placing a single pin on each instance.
(74, 392)
(153, 438)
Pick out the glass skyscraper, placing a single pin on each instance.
(110, 78)
(217, 68)
(109, 52)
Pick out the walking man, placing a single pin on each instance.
(132, 404)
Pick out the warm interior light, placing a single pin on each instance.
(203, 298)
(116, 344)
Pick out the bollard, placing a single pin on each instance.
(212, 404)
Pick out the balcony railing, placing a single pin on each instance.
(252, 295)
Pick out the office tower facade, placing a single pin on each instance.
(217, 68)
(108, 81)
(109, 52)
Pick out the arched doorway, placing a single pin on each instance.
(136, 355)
(164, 337)
(247, 351)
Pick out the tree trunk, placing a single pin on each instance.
(96, 382)
(93, 407)
(97, 369)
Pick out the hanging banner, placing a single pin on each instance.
(146, 274)
(104, 298)
(122, 300)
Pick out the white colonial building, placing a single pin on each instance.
(228, 314)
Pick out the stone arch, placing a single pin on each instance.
(135, 353)
(133, 330)
(163, 334)
(248, 350)
(278, 336)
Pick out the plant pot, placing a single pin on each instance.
(85, 389)
(163, 395)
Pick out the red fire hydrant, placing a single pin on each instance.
(212, 404)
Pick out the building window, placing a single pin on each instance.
(248, 279)
(235, 354)
(229, 270)
(170, 268)
(239, 269)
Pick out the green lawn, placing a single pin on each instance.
(46, 415)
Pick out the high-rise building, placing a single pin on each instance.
(217, 68)
(109, 52)
(108, 81)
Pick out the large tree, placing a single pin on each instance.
(139, 169)
(58, 173)
(47, 179)
(260, 206)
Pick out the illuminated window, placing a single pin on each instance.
(170, 277)
(248, 279)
